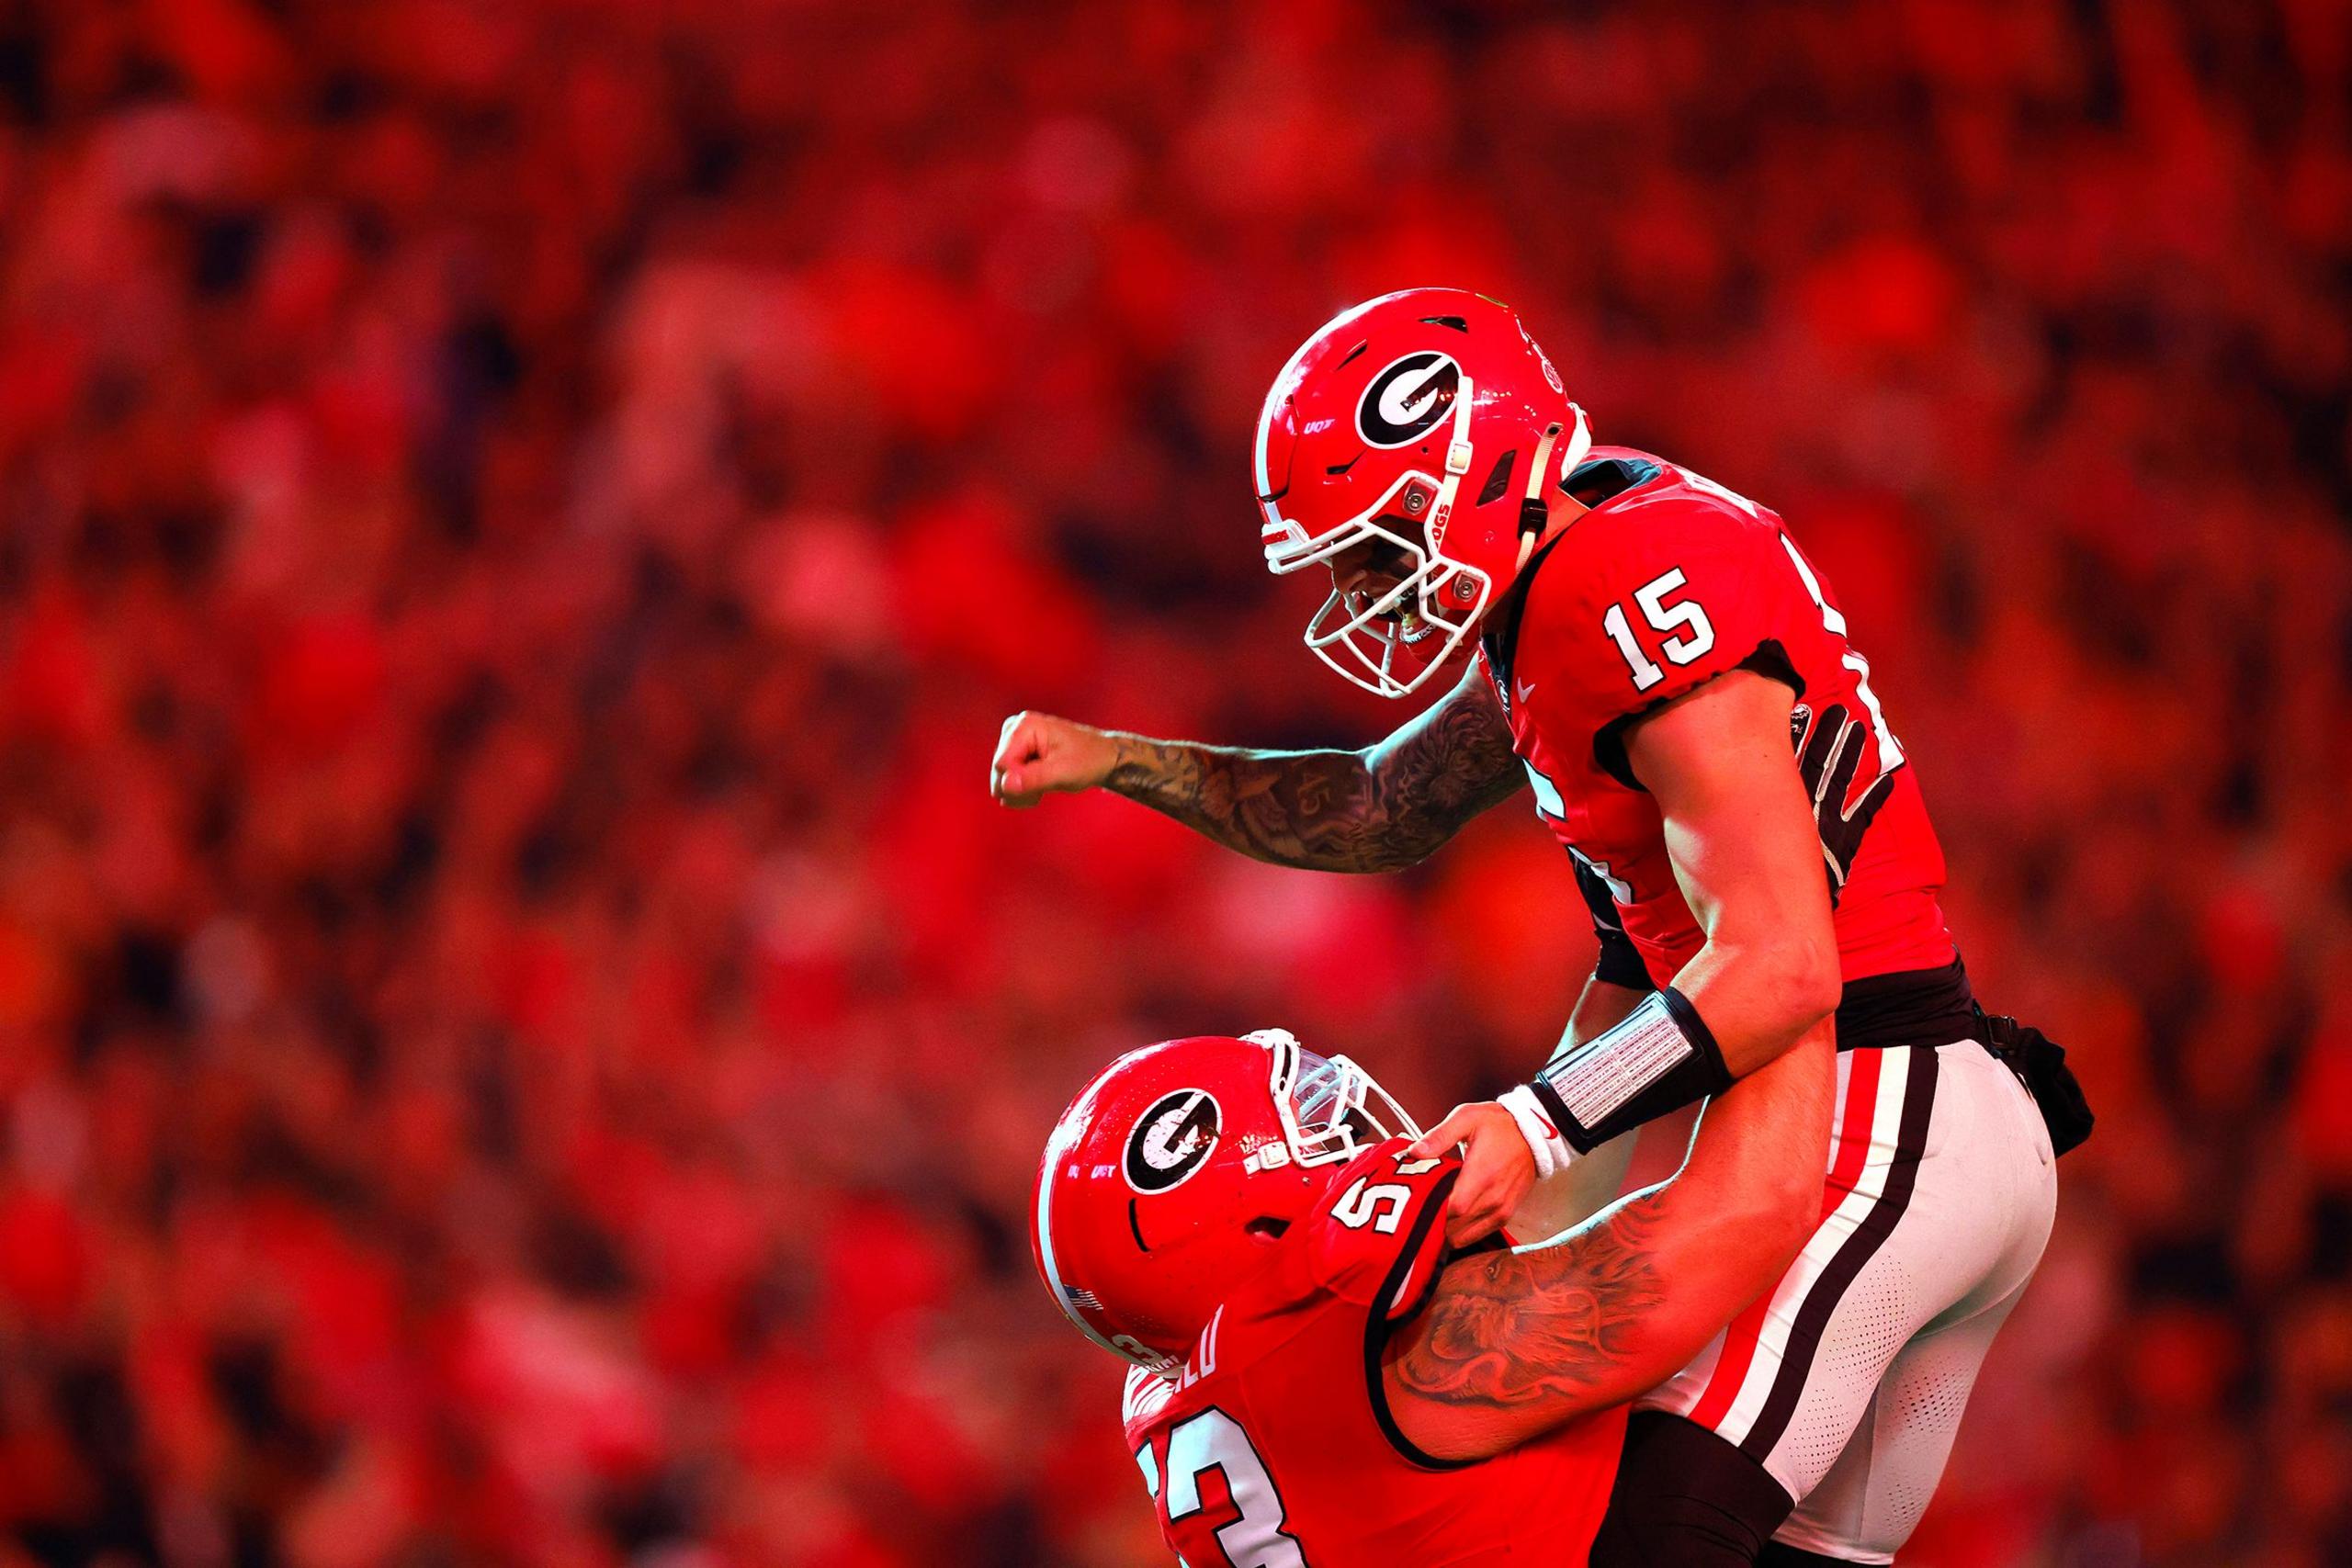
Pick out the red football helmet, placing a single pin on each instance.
(1372, 431)
(1170, 1174)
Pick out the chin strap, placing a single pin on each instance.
(1533, 514)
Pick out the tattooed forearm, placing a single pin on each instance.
(1512, 1331)
(1371, 810)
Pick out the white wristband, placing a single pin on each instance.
(1552, 1151)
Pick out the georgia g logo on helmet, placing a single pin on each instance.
(1408, 400)
(1172, 1140)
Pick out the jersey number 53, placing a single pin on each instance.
(1245, 1529)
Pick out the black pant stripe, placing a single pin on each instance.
(1813, 1317)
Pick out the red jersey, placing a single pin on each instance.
(1670, 580)
(1275, 1447)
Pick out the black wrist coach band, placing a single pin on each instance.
(1660, 1057)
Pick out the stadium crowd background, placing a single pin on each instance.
(522, 1039)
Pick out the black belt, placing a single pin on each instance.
(1936, 1007)
(1911, 1006)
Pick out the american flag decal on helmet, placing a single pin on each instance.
(1085, 1300)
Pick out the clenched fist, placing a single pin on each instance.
(1038, 754)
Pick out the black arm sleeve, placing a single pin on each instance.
(1620, 962)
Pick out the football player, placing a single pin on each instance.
(1317, 1377)
(1663, 667)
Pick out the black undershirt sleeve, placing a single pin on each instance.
(1620, 962)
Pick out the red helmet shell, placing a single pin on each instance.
(1428, 417)
(1168, 1179)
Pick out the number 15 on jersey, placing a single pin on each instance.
(1690, 634)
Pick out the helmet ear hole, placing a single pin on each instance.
(1499, 481)
(1267, 1227)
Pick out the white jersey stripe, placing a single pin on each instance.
(1682, 1393)
(1901, 1313)
(1788, 1298)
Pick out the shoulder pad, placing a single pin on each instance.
(1378, 1239)
(1645, 601)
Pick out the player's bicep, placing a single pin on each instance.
(1644, 617)
(1513, 1345)
(1738, 825)
(1557, 1205)
(1380, 1239)
(1740, 832)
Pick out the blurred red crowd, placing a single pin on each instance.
(522, 1039)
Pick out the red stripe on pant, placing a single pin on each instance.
(1853, 1148)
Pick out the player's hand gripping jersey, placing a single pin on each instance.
(1670, 581)
(1274, 1449)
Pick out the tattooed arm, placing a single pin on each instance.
(1378, 809)
(1513, 1343)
